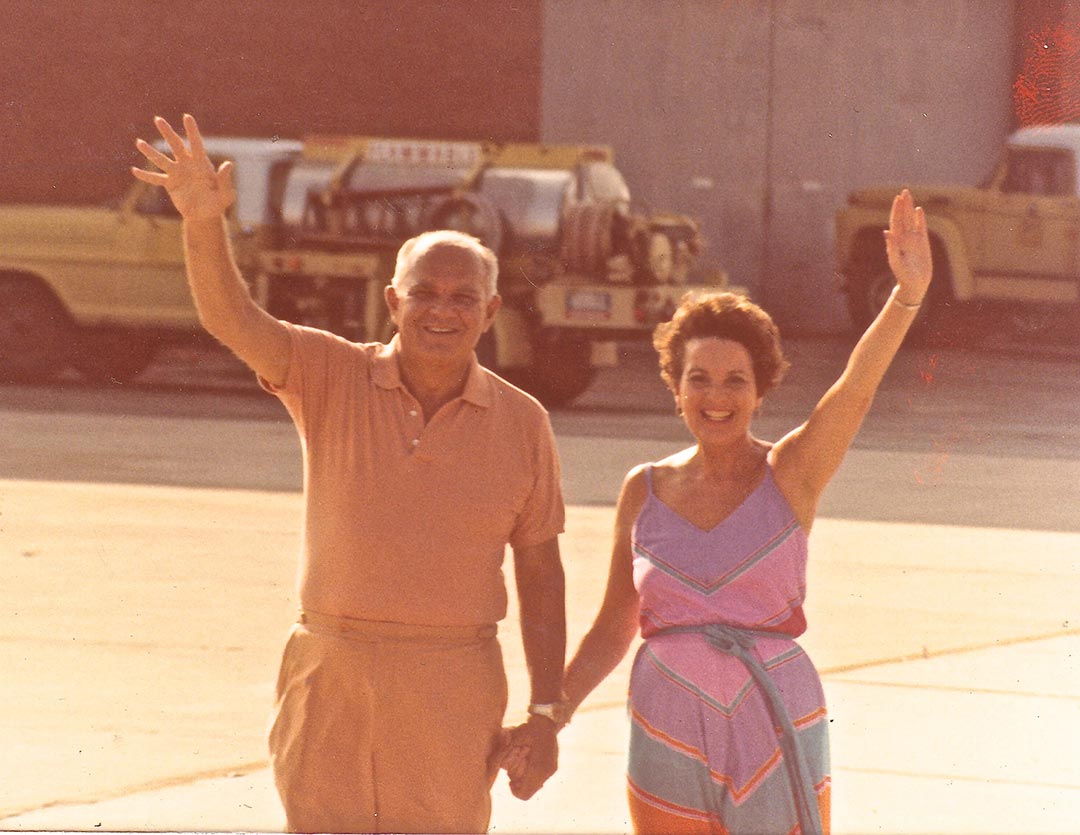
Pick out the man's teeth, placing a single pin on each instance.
(441, 330)
(713, 415)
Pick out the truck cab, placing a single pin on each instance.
(104, 287)
(1007, 249)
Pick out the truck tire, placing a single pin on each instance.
(587, 236)
(469, 213)
(867, 293)
(33, 331)
(113, 356)
(561, 370)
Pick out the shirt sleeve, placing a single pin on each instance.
(544, 515)
(316, 358)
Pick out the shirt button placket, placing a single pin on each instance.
(414, 428)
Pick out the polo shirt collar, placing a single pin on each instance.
(386, 374)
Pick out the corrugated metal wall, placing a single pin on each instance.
(759, 116)
(756, 116)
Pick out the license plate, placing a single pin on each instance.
(588, 304)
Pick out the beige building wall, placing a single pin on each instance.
(758, 116)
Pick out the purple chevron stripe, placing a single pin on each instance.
(734, 573)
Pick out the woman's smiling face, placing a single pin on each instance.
(717, 390)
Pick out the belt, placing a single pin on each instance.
(739, 643)
(373, 630)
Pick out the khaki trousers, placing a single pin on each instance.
(387, 727)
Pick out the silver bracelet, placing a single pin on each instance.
(905, 305)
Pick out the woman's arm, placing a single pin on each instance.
(615, 627)
(805, 459)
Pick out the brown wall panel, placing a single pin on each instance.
(79, 79)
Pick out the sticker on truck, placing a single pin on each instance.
(409, 152)
(588, 305)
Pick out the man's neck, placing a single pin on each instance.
(433, 384)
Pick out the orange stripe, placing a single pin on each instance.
(810, 718)
(677, 744)
(652, 814)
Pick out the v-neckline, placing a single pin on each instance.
(731, 515)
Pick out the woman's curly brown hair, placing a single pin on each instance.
(724, 316)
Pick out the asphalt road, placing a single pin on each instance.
(940, 407)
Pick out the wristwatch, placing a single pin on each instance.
(555, 711)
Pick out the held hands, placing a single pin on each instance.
(195, 188)
(530, 755)
(908, 248)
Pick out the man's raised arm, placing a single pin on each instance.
(202, 196)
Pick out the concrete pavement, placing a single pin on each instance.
(983, 743)
(950, 662)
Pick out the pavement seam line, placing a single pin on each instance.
(941, 653)
(151, 786)
(949, 688)
(957, 778)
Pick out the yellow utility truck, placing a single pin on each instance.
(1006, 250)
(103, 288)
(317, 226)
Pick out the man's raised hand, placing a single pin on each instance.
(195, 188)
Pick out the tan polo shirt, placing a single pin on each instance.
(405, 522)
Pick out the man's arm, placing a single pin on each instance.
(202, 196)
(542, 601)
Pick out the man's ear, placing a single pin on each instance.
(492, 307)
(392, 300)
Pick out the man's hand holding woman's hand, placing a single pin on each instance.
(530, 755)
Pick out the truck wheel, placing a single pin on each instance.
(561, 369)
(33, 327)
(112, 356)
(867, 294)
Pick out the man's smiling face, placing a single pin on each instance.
(443, 307)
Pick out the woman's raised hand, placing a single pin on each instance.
(907, 245)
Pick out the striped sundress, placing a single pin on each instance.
(705, 750)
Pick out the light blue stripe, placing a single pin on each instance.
(686, 781)
(668, 773)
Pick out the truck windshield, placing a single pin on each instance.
(305, 177)
(602, 182)
(530, 200)
(1045, 171)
